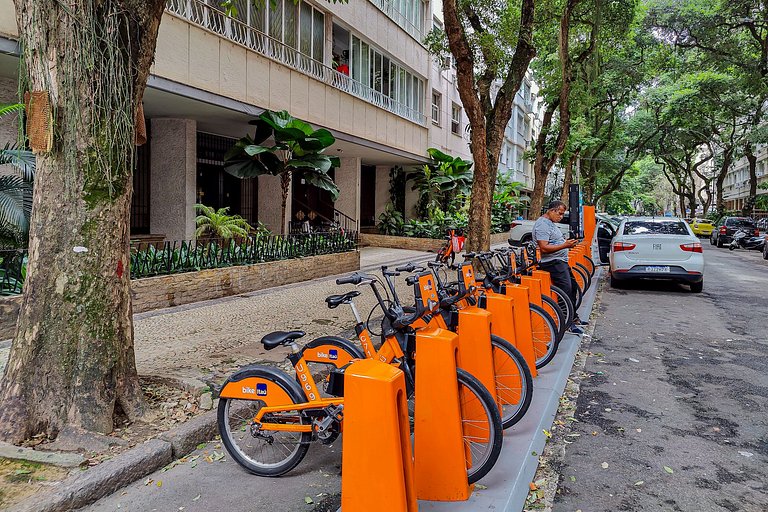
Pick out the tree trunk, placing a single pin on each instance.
(720, 180)
(72, 361)
(568, 177)
(285, 187)
(487, 119)
(749, 204)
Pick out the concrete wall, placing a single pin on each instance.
(174, 178)
(347, 178)
(165, 291)
(9, 127)
(192, 55)
(8, 26)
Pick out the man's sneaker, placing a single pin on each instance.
(575, 329)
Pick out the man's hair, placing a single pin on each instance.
(554, 205)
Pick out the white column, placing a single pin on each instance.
(173, 178)
(347, 178)
(270, 203)
(382, 189)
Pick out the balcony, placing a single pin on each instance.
(208, 17)
(393, 13)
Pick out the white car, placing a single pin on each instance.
(657, 248)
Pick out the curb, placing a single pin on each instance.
(87, 487)
(507, 484)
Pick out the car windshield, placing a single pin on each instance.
(650, 227)
(739, 223)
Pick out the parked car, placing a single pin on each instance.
(725, 227)
(765, 248)
(702, 227)
(762, 224)
(657, 248)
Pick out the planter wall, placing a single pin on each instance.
(165, 291)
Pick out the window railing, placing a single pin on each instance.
(207, 16)
(398, 17)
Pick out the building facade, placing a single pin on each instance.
(358, 69)
(736, 184)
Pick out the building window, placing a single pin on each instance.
(436, 104)
(299, 26)
(519, 124)
(371, 67)
(455, 119)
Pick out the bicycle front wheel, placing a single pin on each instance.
(514, 384)
(552, 309)
(565, 304)
(481, 426)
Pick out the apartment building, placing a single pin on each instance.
(357, 68)
(736, 184)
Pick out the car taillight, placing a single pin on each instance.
(694, 247)
(622, 246)
(513, 224)
(722, 230)
(757, 232)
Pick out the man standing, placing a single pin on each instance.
(554, 254)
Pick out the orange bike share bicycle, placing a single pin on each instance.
(447, 254)
(267, 418)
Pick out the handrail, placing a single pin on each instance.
(210, 18)
(340, 218)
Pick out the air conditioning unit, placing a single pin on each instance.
(446, 62)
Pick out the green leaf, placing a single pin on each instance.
(255, 150)
(668, 469)
(322, 181)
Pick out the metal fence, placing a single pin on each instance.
(172, 257)
(190, 255)
(13, 269)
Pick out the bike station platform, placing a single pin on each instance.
(507, 485)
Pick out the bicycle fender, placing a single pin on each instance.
(269, 385)
(331, 350)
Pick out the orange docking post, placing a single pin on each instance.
(376, 418)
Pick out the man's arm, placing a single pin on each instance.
(547, 248)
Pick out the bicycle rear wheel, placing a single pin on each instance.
(481, 424)
(262, 452)
(514, 384)
(545, 341)
(590, 265)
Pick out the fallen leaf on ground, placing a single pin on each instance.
(308, 500)
(481, 486)
(639, 482)
(547, 433)
(668, 469)
(604, 465)
(746, 454)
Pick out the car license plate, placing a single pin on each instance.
(657, 269)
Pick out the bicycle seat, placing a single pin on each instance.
(334, 301)
(277, 338)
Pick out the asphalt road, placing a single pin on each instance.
(674, 414)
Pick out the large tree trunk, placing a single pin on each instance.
(720, 180)
(487, 119)
(285, 188)
(749, 204)
(568, 177)
(72, 361)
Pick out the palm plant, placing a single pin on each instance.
(440, 182)
(297, 151)
(219, 224)
(15, 188)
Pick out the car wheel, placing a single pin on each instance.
(697, 287)
(719, 243)
(711, 240)
(615, 283)
(765, 250)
